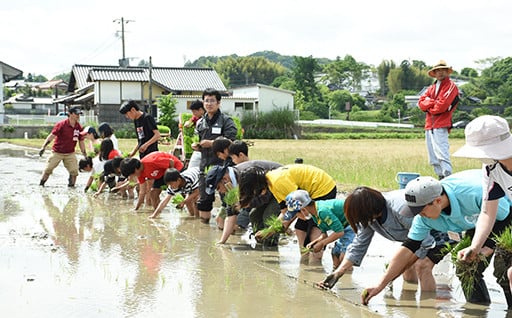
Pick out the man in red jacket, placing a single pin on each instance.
(439, 102)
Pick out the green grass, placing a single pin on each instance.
(369, 162)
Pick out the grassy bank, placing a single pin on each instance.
(370, 162)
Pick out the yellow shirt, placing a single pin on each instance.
(289, 178)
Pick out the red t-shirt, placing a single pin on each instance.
(66, 136)
(114, 153)
(156, 163)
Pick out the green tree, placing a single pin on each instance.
(394, 81)
(391, 108)
(472, 89)
(338, 99)
(408, 77)
(248, 70)
(346, 73)
(63, 76)
(144, 63)
(304, 76)
(469, 72)
(36, 78)
(382, 74)
(507, 112)
(497, 81)
(479, 111)
(167, 109)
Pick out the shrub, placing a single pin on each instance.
(126, 131)
(42, 133)
(167, 111)
(277, 124)
(8, 129)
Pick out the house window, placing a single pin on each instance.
(244, 106)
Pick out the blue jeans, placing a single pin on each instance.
(340, 246)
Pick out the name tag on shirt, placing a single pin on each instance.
(454, 236)
(216, 130)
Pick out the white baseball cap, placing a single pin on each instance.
(487, 137)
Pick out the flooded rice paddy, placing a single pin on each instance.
(64, 253)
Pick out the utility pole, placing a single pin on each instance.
(123, 62)
(152, 110)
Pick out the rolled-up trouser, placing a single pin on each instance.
(205, 202)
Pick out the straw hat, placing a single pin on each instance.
(441, 64)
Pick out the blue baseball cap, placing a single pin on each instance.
(295, 201)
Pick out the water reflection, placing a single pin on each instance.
(65, 253)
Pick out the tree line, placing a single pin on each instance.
(327, 88)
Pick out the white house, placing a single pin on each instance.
(249, 98)
(7, 73)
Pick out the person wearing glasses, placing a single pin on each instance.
(212, 125)
(64, 135)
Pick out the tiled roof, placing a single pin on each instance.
(171, 78)
(9, 72)
(118, 75)
(51, 84)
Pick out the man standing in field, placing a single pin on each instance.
(66, 134)
(213, 124)
(145, 127)
(438, 103)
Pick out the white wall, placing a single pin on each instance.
(109, 93)
(270, 99)
(117, 92)
(131, 90)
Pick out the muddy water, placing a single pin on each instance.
(66, 254)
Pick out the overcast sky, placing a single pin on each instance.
(48, 36)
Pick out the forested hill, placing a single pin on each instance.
(284, 60)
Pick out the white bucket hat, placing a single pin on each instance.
(487, 137)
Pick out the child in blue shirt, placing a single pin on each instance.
(328, 216)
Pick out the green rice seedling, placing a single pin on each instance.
(95, 182)
(364, 294)
(232, 196)
(304, 250)
(274, 225)
(177, 199)
(504, 240)
(466, 271)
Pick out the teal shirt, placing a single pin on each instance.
(464, 190)
(330, 215)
